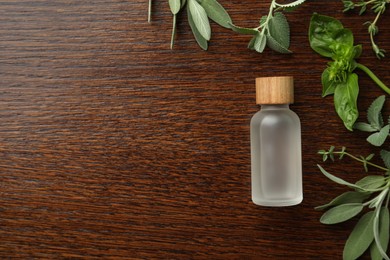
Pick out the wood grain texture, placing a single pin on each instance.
(114, 146)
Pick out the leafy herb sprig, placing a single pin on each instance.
(330, 39)
(378, 7)
(273, 30)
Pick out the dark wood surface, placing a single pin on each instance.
(114, 146)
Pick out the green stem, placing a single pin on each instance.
(150, 11)
(373, 77)
(173, 31)
(360, 160)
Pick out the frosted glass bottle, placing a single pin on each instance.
(276, 145)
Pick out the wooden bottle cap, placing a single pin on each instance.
(275, 90)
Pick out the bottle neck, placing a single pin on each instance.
(274, 106)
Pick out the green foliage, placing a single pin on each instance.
(378, 7)
(330, 39)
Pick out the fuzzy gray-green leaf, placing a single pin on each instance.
(379, 138)
(217, 13)
(174, 5)
(383, 234)
(346, 197)
(260, 42)
(360, 238)
(337, 179)
(275, 45)
(364, 127)
(279, 29)
(374, 115)
(385, 155)
(242, 30)
(202, 42)
(199, 16)
(341, 213)
(371, 182)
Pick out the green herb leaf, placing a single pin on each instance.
(377, 139)
(275, 45)
(251, 43)
(216, 12)
(199, 16)
(360, 238)
(260, 42)
(328, 86)
(183, 3)
(202, 42)
(364, 127)
(345, 101)
(337, 179)
(263, 19)
(174, 5)
(385, 155)
(341, 213)
(293, 4)
(346, 197)
(242, 30)
(371, 182)
(383, 234)
(279, 30)
(374, 115)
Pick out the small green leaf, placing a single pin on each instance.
(337, 179)
(360, 238)
(199, 16)
(379, 138)
(263, 19)
(279, 29)
(251, 43)
(364, 127)
(383, 234)
(275, 45)
(345, 101)
(217, 13)
(328, 86)
(242, 30)
(374, 115)
(371, 182)
(341, 213)
(346, 197)
(202, 42)
(174, 5)
(183, 3)
(385, 155)
(260, 42)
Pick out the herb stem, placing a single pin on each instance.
(373, 77)
(360, 160)
(150, 11)
(173, 31)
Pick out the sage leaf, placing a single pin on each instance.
(377, 139)
(346, 197)
(385, 155)
(183, 3)
(275, 45)
(251, 43)
(360, 238)
(371, 182)
(199, 16)
(174, 5)
(337, 179)
(328, 86)
(383, 234)
(374, 115)
(263, 19)
(216, 12)
(242, 30)
(345, 101)
(341, 213)
(202, 42)
(260, 42)
(279, 30)
(364, 127)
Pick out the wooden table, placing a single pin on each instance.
(114, 146)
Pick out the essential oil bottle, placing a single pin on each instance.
(275, 132)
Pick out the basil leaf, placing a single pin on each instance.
(328, 86)
(242, 30)
(377, 139)
(217, 13)
(275, 45)
(371, 182)
(279, 30)
(360, 238)
(341, 213)
(337, 179)
(364, 127)
(385, 155)
(202, 42)
(174, 5)
(346, 197)
(260, 42)
(374, 115)
(383, 234)
(345, 101)
(199, 16)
